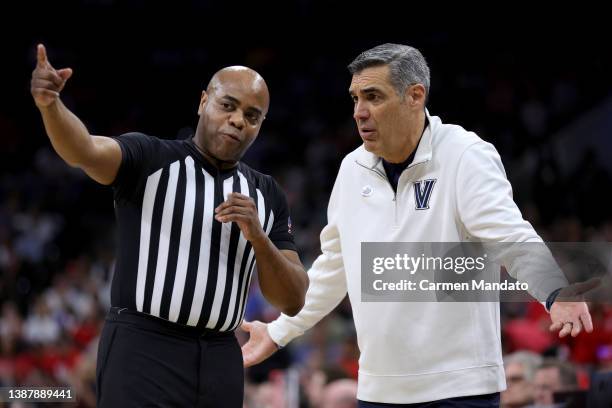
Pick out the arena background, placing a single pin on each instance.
(541, 93)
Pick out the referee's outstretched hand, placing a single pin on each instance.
(260, 345)
(47, 82)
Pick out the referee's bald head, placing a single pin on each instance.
(232, 110)
(245, 77)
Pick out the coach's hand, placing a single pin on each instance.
(47, 82)
(569, 313)
(260, 345)
(242, 210)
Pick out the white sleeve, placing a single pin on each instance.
(327, 282)
(489, 214)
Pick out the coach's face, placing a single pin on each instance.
(231, 113)
(386, 121)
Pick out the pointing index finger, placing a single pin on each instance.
(41, 56)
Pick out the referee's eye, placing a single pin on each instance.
(253, 118)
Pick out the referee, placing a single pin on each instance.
(193, 221)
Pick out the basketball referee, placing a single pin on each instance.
(193, 221)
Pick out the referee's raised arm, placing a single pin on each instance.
(98, 156)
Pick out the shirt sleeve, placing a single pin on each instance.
(137, 154)
(281, 233)
(489, 214)
(327, 281)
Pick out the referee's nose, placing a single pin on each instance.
(236, 119)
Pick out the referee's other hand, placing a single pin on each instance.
(260, 345)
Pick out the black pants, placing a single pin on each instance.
(144, 361)
(474, 401)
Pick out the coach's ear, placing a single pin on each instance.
(203, 100)
(415, 94)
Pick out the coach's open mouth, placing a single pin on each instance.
(367, 134)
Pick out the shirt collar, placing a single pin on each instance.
(423, 152)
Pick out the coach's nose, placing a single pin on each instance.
(361, 112)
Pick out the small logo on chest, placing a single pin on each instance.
(422, 193)
(367, 191)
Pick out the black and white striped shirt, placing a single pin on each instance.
(175, 261)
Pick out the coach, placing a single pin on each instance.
(414, 179)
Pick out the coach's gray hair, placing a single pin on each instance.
(407, 66)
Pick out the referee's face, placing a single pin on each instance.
(386, 121)
(231, 113)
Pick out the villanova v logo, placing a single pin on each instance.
(422, 193)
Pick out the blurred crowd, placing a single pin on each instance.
(57, 235)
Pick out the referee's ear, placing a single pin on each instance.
(203, 100)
